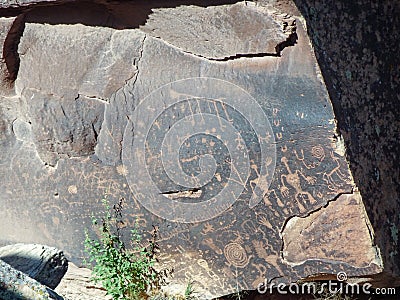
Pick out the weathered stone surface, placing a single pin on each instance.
(204, 31)
(105, 62)
(8, 142)
(153, 109)
(63, 127)
(46, 265)
(321, 234)
(66, 108)
(77, 285)
(356, 48)
(15, 285)
(19, 3)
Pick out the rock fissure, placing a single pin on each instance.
(10, 47)
(103, 100)
(315, 210)
(291, 41)
(190, 193)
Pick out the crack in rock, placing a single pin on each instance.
(192, 193)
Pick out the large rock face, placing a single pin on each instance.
(212, 122)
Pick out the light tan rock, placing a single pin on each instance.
(77, 285)
(330, 234)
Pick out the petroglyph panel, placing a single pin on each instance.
(218, 155)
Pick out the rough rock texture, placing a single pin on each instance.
(64, 127)
(106, 61)
(15, 285)
(77, 285)
(304, 240)
(66, 108)
(46, 265)
(357, 50)
(204, 31)
(99, 108)
(18, 3)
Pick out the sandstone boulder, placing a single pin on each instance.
(77, 285)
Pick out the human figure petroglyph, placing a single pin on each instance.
(208, 227)
(271, 259)
(262, 181)
(293, 179)
(317, 152)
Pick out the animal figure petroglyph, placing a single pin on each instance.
(328, 177)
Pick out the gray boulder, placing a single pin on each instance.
(15, 285)
(47, 265)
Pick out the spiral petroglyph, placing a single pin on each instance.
(236, 255)
(193, 147)
(318, 152)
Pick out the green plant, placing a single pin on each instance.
(125, 274)
(239, 295)
(189, 291)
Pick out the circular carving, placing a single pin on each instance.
(318, 152)
(236, 255)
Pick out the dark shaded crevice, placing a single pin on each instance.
(95, 133)
(181, 191)
(132, 84)
(10, 48)
(189, 193)
(247, 55)
(290, 41)
(137, 62)
(236, 56)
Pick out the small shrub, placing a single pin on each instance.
(125, 274)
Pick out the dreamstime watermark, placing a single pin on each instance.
(340, 286)
(193, 147)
